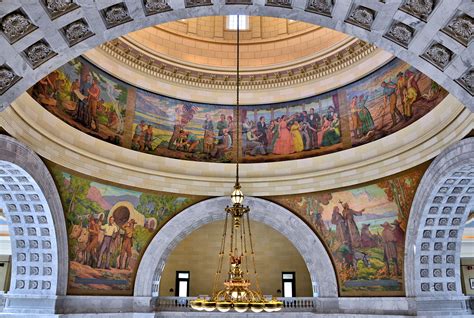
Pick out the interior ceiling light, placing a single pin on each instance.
(236, 293)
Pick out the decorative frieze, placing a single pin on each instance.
(155, 6)
(16, 25)
(421, 9)
(279, 3)
(8, 78)
(361, 16)
(460, 28)
(438, 55)
(197, 3)
(323, 7)
(76, 32)
(400, 33)
(467, 82)
(38, 53)
(57, 8)
(115, 15)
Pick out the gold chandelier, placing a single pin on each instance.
(236, 293)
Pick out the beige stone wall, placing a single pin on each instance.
(197, 253)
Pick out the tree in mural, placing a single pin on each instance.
(402, 190)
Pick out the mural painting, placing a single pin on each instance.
(178, 129)
(109, 228)
(377, 105)
(388, 100)
(86, 98)
(291, 130)
(363, 228)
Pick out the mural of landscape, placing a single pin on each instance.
(363, 227)
(109, 228)
(377, 105)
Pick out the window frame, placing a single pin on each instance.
(227, 24)
(292, 281)
(178, 280)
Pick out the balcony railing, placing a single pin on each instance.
(298, 304)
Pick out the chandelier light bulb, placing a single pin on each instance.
(237, 196)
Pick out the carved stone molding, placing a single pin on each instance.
(57, 8)
(7, 78)
(279, 3)
(419, 8)
(197, 3)
(38, 53)
(361, 16)
(323, 7)
(115, 15)
(400, 33)
(460, 28)
(438, 55)
(467, 81)
(155, 6)
(302, 73)
(16, 25)
(238, 2)
(76, 32)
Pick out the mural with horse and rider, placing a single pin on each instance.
(363, 228)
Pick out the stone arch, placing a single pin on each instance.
(36, 223)
(439, 211)
(430, 35)
(320, 267)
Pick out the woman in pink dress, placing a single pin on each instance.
(284, 144)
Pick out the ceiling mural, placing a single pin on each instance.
(363, 228)
(104, 107)
(109, 228)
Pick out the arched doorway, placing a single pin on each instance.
(323, 277)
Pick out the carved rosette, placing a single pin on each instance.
(7, 78)
(323, 7)
(400, 33)
(16, 25)
(116, 15)
(460, 28)
(438, 55)
(76, 32)
(155, 6)
(38, 53)
(197, 3)
(418, 8)
(56, 8)
(361, 16)
(279, 3)
(467, 81)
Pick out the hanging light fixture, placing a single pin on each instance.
(236, 293)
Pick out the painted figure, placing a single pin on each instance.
(94, 93)
(127, 243)
(367, 239)
(389, 248)
(93, 243)
(284, 143)
(110, 232)
(296, 135)
(355, 120)
(349, 215)
(342, 232)
(366, 120)
(390, 99)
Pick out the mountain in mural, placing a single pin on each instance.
(95, 195)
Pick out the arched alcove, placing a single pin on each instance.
(34, 213)
(440, 209)
(309, 246)
(198, 254)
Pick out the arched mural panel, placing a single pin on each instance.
(102, 106)
(363, 228)
(109, 227)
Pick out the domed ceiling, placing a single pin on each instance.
(101, 105)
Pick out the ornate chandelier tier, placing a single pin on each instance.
(236, 293)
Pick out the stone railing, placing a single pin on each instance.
(298, 304)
